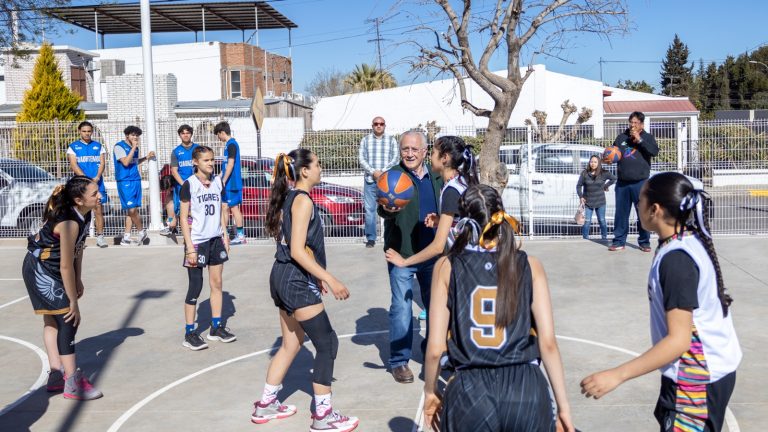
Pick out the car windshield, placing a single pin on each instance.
(25, 172)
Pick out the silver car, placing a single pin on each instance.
(24, 192)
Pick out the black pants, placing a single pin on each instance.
(718, 395)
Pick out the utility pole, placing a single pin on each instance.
(601, 70)
(377, 22)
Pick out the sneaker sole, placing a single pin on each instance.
(349, 429)
(220, 339)
(193, 348)
(265, 419)
(80, 398)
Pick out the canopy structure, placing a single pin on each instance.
(124, 18)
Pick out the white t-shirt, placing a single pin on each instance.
(204, 207)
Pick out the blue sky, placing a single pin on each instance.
(334, 34)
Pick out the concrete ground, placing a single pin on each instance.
(130, 341)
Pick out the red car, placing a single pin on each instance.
(340, 207)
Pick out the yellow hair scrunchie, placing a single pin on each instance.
(496, 219)
(56, 192)
(287, 161)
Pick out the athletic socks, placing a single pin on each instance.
(215, 322)
(189, 328)
(270, 393)
(322, 404)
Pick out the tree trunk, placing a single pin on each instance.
(492, 171)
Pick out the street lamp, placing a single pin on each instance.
(759, 63)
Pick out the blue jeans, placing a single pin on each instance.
(627, 195)
(401, 312)
(588, 222)
(369, 203)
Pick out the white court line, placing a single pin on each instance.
(14, 301)
(11, 279)
(40, 380)
(730, 419)
(123, 418)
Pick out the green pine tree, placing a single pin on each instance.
(676, 77)
(640, 86)
(49, 98)
(48, 118)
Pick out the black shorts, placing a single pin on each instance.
(511, 398)
(209, 252)
(45, 291)
(718, 395)
(292, 288)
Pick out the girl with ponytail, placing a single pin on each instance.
(453, 158)
(52, 272)
(694, 342)
(297, 282)
(494, 300)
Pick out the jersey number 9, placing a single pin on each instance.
(485, 334)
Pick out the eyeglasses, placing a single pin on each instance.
(413, 150)
(379, 124)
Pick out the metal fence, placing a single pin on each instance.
(729, 159)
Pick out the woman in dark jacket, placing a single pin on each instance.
(594, 181)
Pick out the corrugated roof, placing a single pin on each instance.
(173, 17)
(649, 107)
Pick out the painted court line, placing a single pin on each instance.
(11, 279)
(14, 301)
(40, 380)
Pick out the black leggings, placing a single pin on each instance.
(195, 285)
(65, 338)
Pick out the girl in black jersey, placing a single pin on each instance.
(297, 281)
(495, 301)
(52, 272)
(453, 158)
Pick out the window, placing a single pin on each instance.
(25, 172)
(79, 83)
(555, 162)
(234, 84)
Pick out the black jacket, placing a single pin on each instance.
(593, 187)
(635, 163)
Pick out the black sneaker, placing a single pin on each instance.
(370, 243)
(194, 342)
(222, 334)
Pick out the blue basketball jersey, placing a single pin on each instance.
(88, 156)
(184, 157)
(235, 181)
(130, 172)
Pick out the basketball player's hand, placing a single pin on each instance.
(391, 209)
(192, 259)
(80, 289)
(599, 384)
(150, 155)
(564, 422)
(73, 315)
(225, 238)
(339, 290)
(392, 256)
(432, 406)
(431, 220)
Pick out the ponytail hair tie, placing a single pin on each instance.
(469, 158)
(497, 219)
(58, 190)
(287, 167)
(693, 202)
(473, 226)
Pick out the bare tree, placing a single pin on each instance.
(328, 82)
(542, 134)
(24, 21)
(509, 27)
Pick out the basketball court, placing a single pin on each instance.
(130, 339)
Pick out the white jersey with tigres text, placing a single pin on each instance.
(205, 208)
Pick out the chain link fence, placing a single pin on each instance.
(729, 159)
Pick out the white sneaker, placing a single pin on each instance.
(100, 242)
(126, 241)
(142, 236)
(238, 240)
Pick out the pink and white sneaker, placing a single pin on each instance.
(271, 411)
(78, 387)
(333, 421)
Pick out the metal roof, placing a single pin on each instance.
(650, 106)
(173, 17)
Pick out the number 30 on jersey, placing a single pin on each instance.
(485, 334)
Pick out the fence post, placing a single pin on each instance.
(528, 180)
(682, 134)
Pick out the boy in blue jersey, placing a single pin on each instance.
(89, 158)
(181, 169)
(127, 161)
(232, 178)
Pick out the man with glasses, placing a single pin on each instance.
(377, 153)
(637, 148)
(406, 233)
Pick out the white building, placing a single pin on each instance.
(408, 106)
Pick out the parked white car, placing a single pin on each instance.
(554, 173)
(24, 191)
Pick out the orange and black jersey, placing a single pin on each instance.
(474, 341)
(46, 244)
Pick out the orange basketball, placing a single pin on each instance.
(611, 155)
(395, 189)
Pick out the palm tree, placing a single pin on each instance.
(366, 78)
